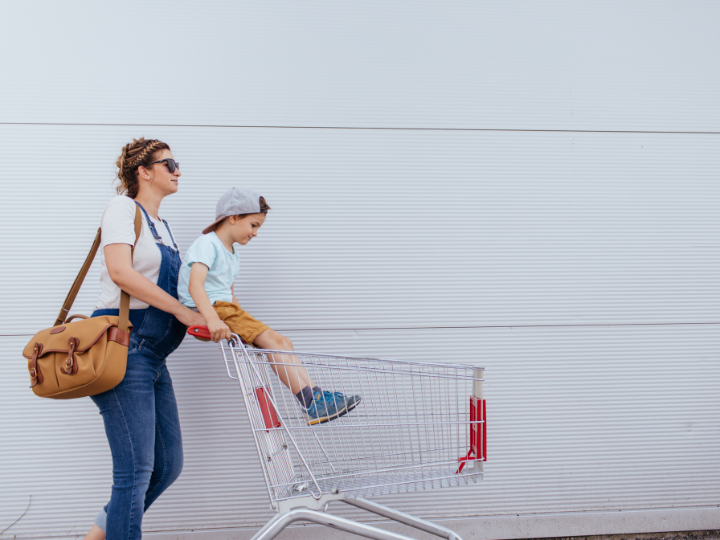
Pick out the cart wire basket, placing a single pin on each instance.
(417, 426)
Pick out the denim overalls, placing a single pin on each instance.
(140, 414)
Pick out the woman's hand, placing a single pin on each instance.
(219, 330)
(189, 317)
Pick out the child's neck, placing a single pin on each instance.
(226, 238)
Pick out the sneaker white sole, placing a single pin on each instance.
(323, 420)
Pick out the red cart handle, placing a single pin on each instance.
(200, 332)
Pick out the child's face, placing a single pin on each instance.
(245, 228)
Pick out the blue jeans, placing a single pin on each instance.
(143, 429)
(140, 414)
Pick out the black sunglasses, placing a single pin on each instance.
(171, 164)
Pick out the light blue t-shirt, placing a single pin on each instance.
(223, 266)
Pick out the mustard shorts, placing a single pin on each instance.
(240, 321)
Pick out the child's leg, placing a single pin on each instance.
(320, 406)
(253, 331)
(295, 378)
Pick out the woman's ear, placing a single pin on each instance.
(143, 173)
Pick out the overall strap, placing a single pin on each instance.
(171, 235)
(124, 297)
(153, 230)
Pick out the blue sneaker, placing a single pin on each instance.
(350, 401)
(327, 406)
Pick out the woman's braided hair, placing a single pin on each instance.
(139, 153)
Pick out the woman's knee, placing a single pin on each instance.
(175, 466)
(167, 470)
(173, 459)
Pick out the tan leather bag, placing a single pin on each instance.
(85, 357)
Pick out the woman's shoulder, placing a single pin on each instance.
(118, 221)
(120, 205)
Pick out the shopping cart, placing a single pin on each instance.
(419, 426)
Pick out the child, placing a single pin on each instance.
(206, 283)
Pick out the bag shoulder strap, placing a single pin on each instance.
(124, 297)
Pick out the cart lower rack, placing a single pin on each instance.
(417, 426)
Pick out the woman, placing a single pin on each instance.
(140, 414)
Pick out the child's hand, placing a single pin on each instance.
(218, 330)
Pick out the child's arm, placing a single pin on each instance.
(218, 329)
(232, 290)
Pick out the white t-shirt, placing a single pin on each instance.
(118, 227)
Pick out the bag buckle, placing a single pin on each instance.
(36, 376)
(71, 365)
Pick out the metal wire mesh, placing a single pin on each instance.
(407, 433)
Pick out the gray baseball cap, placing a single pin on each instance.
(234, 202)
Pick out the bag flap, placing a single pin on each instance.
(87, 331)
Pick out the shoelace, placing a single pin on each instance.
(329, 397)
(339, 396)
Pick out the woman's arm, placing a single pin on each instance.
(119, 264)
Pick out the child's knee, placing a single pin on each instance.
(283, 343)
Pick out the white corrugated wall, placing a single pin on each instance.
(526, 186)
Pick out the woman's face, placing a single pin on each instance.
(158, 176)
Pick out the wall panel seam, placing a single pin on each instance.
(366, 128)
(595, 325)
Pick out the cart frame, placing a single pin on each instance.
(273, 429)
